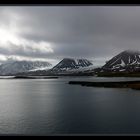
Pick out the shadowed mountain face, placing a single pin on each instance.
(126, 60)
(71, 64)
(14, 67)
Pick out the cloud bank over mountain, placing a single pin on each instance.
(54, 32)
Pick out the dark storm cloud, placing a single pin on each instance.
(95, 32)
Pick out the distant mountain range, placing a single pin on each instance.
(67, 66)
(14, 67)
(125, 62)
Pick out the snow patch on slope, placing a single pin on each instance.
(122, 63)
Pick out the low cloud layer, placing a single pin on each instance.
(54, 32)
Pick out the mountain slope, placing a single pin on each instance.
(68, 66)
(72, 65)
(14, 67)
(125, 61)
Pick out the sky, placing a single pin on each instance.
(51, 33)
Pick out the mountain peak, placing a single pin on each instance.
(125, 59)
(130, 51)
(71, 64)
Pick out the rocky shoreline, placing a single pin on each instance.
(120, 84)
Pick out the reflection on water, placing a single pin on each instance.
(51, 106)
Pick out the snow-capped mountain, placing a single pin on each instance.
(125, 61)
(72, 65)
(13, 67)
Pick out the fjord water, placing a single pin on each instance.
(52, 106)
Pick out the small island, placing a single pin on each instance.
(29, 77)
(35, 77)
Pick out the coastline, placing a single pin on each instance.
(119, 84)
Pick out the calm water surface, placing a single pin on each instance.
(51, 106)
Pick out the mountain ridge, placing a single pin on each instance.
(13, 67)
(128, 60)
(71, 64)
